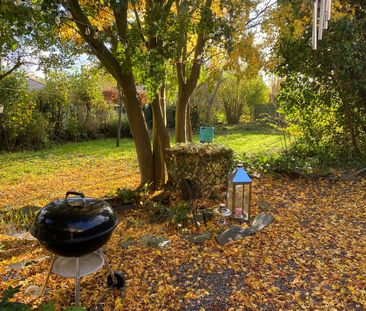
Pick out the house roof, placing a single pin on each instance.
(34, 85)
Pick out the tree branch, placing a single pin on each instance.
(98, 47)
(15, 67)
(139, 26)
(120, 15)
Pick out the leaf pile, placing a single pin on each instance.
(311, 257)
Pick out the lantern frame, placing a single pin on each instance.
(239, 178)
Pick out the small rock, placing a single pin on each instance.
(155, 241)
(264, 206)
(33, 291)
(233, 234)
(361, 172)
(198, 238)
(261, 221)
(25, 235)
(348, 177)
(127, 242)
(122, 207)
(24, 263)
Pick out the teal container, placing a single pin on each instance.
(206, 134)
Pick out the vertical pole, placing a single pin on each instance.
(109, 269)
(329, 9)
(243, 202)
(315, 25)
(321, 20)
(234, 202)
(77, 285)
(48, 275)
(250, 201)
(326, 14)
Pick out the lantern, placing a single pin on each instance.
(239, 193)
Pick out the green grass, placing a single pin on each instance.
(97, 167)
(248, 139)
(17, 165)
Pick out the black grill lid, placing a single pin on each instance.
(73, 219)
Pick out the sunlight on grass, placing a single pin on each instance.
(14, 166)
(97, 167)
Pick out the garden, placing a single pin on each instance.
(182, 155)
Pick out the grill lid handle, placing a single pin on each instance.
(80, 194)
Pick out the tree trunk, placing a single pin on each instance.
(139, 130)
(180, 117)
(188, 124)
(161, 139)
(123, 74)
(212, 99)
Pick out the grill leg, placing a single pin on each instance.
(77, 285)
(110, 271)
(48, 275)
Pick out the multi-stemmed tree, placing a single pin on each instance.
(138, 42)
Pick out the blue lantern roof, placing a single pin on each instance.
(240, 175)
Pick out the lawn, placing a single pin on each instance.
(95, 167)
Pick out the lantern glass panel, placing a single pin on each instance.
(239, 196)
(246, 202)
(230, 195)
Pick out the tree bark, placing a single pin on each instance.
(161, 140)
(139, 131)
(212, 99)
(180, 117)
(124, 77)
(189, 123)
(187, 84)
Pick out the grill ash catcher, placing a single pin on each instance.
(74, 229)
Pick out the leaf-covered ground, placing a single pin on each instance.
(311, 258)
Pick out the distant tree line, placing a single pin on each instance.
(68, 108)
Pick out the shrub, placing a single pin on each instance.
(112, 125)
(198, 170)
(178, 215)
(35, 135)
(127, 195)
(18, 109)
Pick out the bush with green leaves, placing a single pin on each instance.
(127, 195)
(199, 170)
(12, 219)
(112, 126)
(239, 96)
(19, 105)
(178, 214)
(35, 134)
